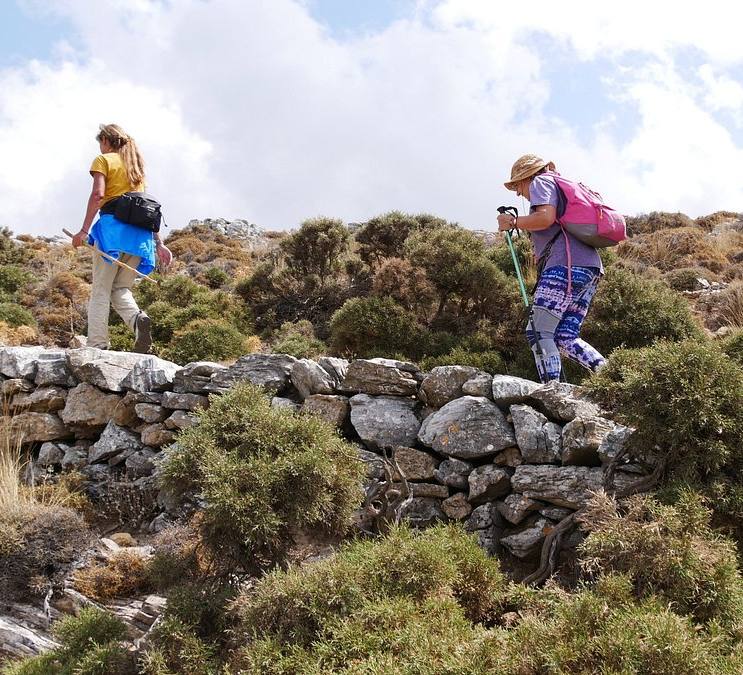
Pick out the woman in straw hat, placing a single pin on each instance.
(568, 272)
(117, 170)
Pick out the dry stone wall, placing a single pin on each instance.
(506, 456)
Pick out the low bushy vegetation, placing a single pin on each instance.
(122, 575)
(298, 339)
(265, 474)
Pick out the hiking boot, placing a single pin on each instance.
(142, 334)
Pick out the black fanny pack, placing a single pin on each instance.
(136, 208)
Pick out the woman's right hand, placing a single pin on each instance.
(80, 238)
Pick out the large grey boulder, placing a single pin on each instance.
(87, 405)
(334, 367)
(309, 377)
(483, 517)
(52, 368)
(479, 385)
(538, 438)
(151, 374)
(332, 408)
(19, 362)
(563, 402)
(35, 427)
(103, 368)
(194, 378)
(508, 390)
(466, 428)
(384, 421)
(454, 473)
(581, 439)
(444, 384)
(113, 441)
(183, 401)
(568, 486)
(528, 542)
(487, 483)
(43, 399)
(270, 371)
(378, 377)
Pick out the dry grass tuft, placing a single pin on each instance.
(124, 574)
(731, 305)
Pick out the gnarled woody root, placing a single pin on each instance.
(385, 501)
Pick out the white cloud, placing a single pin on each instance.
(252, 109)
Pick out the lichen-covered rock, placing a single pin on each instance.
(150, 412)
(52, 369)
(614, 442)
(374, 464)
(113, 440)
(334, 367)
(151, 374)
(456, 507)
(332, 408)
(380, 377)
(180, 419)
(528, 542)
(555, 513)
(454, 473)
(538, 438)
(509, 457)
(581, 439)
(102, 368)
(514, 508)
(468, 427)
(562, 402)
(483, 517)
(35, 427)
(309, 377)
(156, 435)
(19, 362)
(568, 486)
(125, 414)
(270, 371)
(488, 482)
(479, 385)
(508, 390)
(384, 421)
(429, 490)
(50, 454)
(422, 512)
(15, 385)
(183, 401)
(194, 378)
(415, 464)
(444, 384)
(43, 399)
(89, 406)
(281, 402)
(74, 458)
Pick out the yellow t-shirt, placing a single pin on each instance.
(117, 182)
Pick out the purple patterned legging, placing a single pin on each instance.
(557, 319)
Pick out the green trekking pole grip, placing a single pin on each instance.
(512, 210)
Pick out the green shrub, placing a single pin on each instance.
(216, 277)
(490, 361)
(298, 339)
(15, 315)
(121, 337)
(383, 236)
(407, 601)
(732, 345)
(89, 646)
(316, 247)
(685, 400)
(10, 252)
(369, 327)
(687, 278)
(264, 473)
(667, 551)
(13, 278)
(631, 311)
(501, 255)
(205, 340)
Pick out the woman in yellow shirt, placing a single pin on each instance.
(117, 170)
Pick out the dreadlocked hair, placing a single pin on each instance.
(127, 149)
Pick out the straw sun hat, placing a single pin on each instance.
(526, 167)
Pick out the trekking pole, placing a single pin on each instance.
(522, 286)
(113, 260)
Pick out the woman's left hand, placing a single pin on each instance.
(506, 222)
(164, 254)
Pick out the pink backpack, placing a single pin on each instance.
(582, 212)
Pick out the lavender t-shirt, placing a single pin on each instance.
(542, 191)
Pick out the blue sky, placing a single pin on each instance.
(280, 110)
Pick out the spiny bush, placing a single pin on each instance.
(667, 551)
(631, 311)
(731, 305)
(684, 399)
(216, 277)
(656, 220)
(732, 345)
(708, 222)
(405, 284)
(122, 575)
(90, 645)
(13, 278)
(264, 474)
(687, 278)
(317, 247)
(205, 340)
(14, 315)
(500, 254)
(411, 597)
(298, 339)
(383, 236)
(490, 361)
(369, 327)
(37, 544)
(10, 252)
(603, 630)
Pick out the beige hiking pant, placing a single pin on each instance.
(112, 285)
